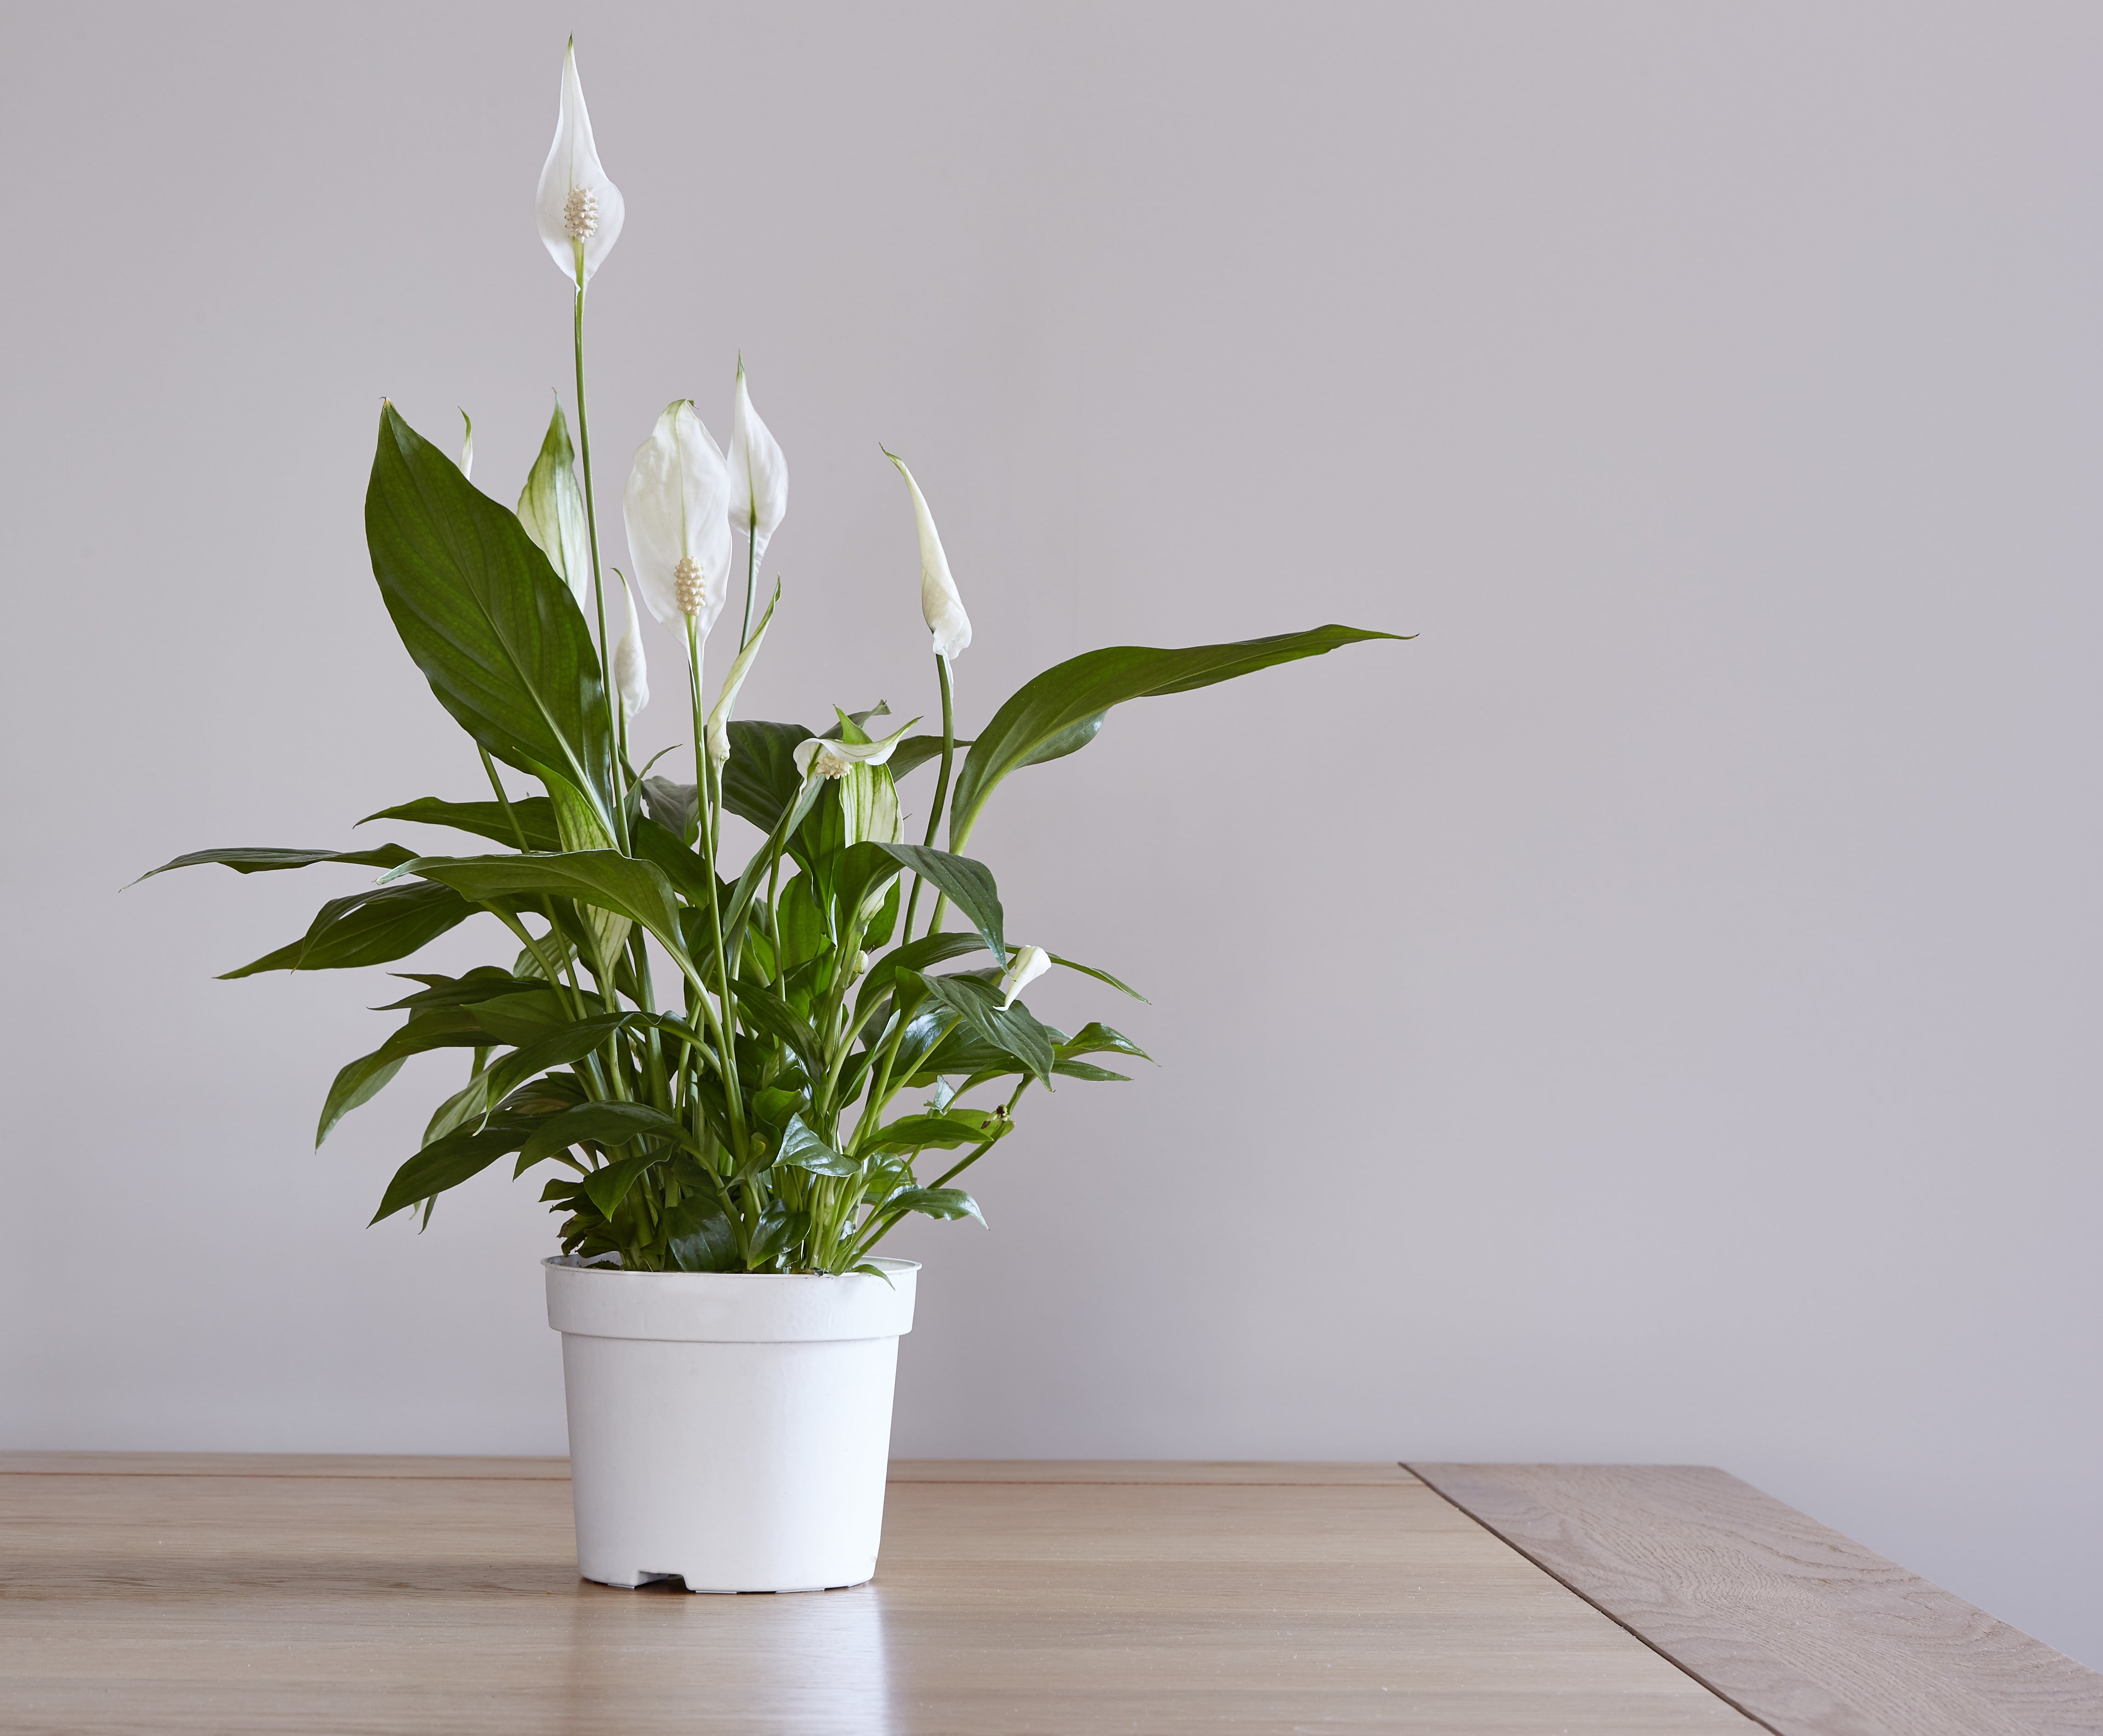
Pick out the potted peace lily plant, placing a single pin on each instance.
(832, 1053)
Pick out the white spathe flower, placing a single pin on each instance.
(467, 446)
(1025, 964)
(719, 731)
(939, 605)
(631, 669)
(578, 209)
(551, 508)
(820, 757)
(758, 475)
(676, 510)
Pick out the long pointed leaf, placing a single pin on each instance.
(370, 928)
(1059, 711)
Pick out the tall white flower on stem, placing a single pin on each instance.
(758, 484)
(939, 605)
(631, 671)
(677, 513)
(578, 209)
(820, 757)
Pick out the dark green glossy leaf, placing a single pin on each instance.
(257, 859)
(605, 879)
(863, 869)
(360, 1081)
(1059, 711)
(699, 1237)
(779, 1229)
(452, 1160)
(801, 1148)
(605, 1124)
(760, 779)
(676, 807)
(368, 928)
(535, 815)
(969, 884)
(680, 865)
(1011, 1029)
(497, 633)
(484, 982)
(953, 1128)
(607, 1188)
(559, 1048)
(520, 1019)
(913, 957)
(917, 750)
(936, 1202)
(1099, 1039)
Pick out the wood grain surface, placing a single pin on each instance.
(1305, 1473)
(379, 1600)
(1807, 1631)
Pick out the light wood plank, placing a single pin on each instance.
(1807, 1631)
(278, 1465)
(1313, 1473)
(163, 1603)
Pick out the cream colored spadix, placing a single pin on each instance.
(939, 605)
(551, 509)
(719, 719)
(676, 512)
(578, 209)
(820, 757)
(631, 674)
(758, 475)
(1025, 964)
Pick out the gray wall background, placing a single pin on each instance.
(1650, 1016)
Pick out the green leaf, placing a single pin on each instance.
(492, 626)
(360, 1081)
(559, 1048)
(676, 807)
(1012, 1030)
(601, 1124)
(1099, 1039)
(1059, 711)
(604, 879)
(255, 859)
(917, 750)
(607, 1188)
(368, 928)
(936, 1202)
(520, 1019)
(484, 982)
(682, 867)
(449, 1161)
(760, 778)
(535, 816)
(801, 1148)
(551, 511)
(699, 1237)
(1100, 976)
(1082, 1069)
(863, 870)
(913, 957)
(954, 1128)
(969, 884)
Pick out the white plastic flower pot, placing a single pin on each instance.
(730, 1429)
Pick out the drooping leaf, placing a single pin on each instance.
(1059, 711)
(535, 815)
(368, 928)
(253, 859)
(559, 1048)
(913, 956)
(484, 982)
(1013, 1030)
(360, 1081)
(674, 806)
(917, 750)
(946, 1131)
(969, 884)
(608, 1187)
(1100, 976)
(1099, 1039)
(456, 1158)
(492, 626)
(604, 879)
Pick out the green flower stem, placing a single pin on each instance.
(711, 819)
(591, 529)
(751, 575)
(941, 796)
(547, 904)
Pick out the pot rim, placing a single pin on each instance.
(569, 1263)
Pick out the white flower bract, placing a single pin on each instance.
(1025, 964)
(719, 719)
(577, 207)
(939, 605)
(758, 475)
(631, 674)
(820, 757)
(551, 507)
(676, 510)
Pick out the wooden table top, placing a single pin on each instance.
(168, 1592)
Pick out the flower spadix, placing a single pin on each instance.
(1025, 964)
(821, 758)
(578, 209)
(631, 669)
(759, 473)
(939, 605)
(552, 511)
(677, 511)
(719, 719)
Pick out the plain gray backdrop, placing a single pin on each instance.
(1650, 1016)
